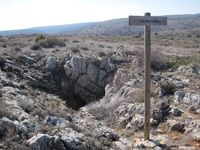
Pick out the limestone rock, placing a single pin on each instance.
(44, 142)
(54, 121)
(89, 79)
(52, 64)
(179, 127)
(9, 128)
(136, 124)
(123, 144)
(157, 115)
(148, 144)
(176, 112)
(77, 64)
(190, 98)
(73, 139)
(178, 96)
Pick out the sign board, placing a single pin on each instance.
(146, 20)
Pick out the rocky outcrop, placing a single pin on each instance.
(187, 98)
(9, 128)
(79, 80)
(44, 142)
(83, 80)
(89, 77)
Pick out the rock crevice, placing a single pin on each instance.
(83, 80)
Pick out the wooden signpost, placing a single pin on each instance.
(147, 21)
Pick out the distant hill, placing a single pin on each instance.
(58, 29)
(112, 27)
(121, 27)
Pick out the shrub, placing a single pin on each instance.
(139, 96)
(52, 42)
(75, 50)
(169, 88)
(101, 54)
(39, 37)
(76, 41)
(158, 61)
(26, 105)
(84, 48)
(177, 61)
(17, 49)
(128, 53)
(49, 42)
(36, 46)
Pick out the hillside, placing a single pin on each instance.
(120, 26)
(112, 27)
(59, 29)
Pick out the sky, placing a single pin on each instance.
(20, 14)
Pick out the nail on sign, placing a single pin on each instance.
(146, 20)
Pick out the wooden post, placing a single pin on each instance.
(147, 77)
(147, 21)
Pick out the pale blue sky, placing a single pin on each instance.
(18, 14)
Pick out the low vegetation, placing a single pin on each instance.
(176, 61)
(4, 112)
(159, 61)
(49, 42)
(35, 46)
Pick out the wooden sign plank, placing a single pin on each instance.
(147, 20)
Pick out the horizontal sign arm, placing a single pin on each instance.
(147, 20)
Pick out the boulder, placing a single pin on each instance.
(179, 127)
(175, 112)
(54, 121)
(193, 109)
(147, 144)
(52, 64)
(157, 115)
(9, 128)
(178, 96)
(123, 144)
(136, 124)
(92, 72)
(73, 140)
(190, 98)
(107, 65)
(77, 64)
(165, 107)
(26, 59)
(195, 70)
(44, 142)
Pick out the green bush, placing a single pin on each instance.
(36, 46)
(49, 42)
(39, 37)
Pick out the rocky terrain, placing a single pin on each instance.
(86, 92)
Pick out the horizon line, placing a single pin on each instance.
(86, 22)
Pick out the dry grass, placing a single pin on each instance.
(139, 96)
(177, 61)
(159, 61)
(4, 111)
(26, 105)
